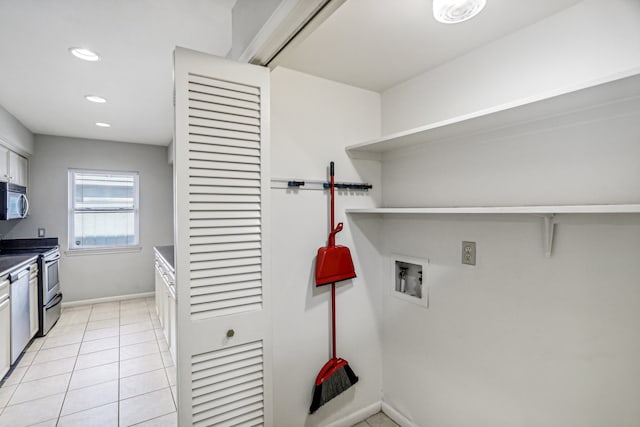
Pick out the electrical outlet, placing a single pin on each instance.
(469, 253)
(41, 232)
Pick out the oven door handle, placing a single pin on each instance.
(55, 301)
(50, 260)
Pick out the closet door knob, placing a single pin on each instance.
(230, 333)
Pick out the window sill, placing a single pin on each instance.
(103, 251)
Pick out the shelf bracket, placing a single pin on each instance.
(549, 227)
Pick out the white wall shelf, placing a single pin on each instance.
(613, 96)
(546, 212)
(608, 97)
(534, 210)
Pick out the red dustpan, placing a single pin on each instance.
(333, 263)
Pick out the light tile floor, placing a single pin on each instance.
(101, 365)
(377, 420)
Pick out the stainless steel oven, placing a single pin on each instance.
(51, 298)
(50, 282)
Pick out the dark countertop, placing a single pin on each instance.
(8, 263)
(166, 252)
(7, 245)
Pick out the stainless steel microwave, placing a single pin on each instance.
(13, 201)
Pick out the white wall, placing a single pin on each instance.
(14, 135)
(584, 163)
(519, 339)
(588, 41)
(312, 121)
(248, 17)
(95, 276)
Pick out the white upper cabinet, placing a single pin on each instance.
(13, 167)
(4, 164)
(18, 169)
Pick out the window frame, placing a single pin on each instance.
(72, 211)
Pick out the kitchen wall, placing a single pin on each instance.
(519, 339)
(588, 41)
(14, 135)
(312, 121)
(103, 275)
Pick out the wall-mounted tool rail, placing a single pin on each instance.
(317, 184)
(348, 186)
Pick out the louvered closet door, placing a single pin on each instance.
(221, 184)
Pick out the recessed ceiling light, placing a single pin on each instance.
(83, 53)
(103, 125)
(95, 98)
(454, 11)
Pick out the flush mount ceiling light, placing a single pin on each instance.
(454, 11)
(103, 125)
(95, 98)
(83, 53)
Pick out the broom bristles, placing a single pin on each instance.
(339, 381)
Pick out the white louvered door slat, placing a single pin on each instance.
(233, 286)
(197, 142)
(227, 109)
(224, 247)
(220, 161)
(206, 113)
(236, 88)
(228, 279)
(228, 254)
(221, 132)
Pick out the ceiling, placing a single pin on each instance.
(376, 44)
(44, 86)
(373, 44)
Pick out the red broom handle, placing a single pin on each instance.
(333, 318)
(333, 243)
(331, 173)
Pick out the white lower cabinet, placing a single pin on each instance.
(5, 327)
(165, 313)
(159, 294)
(172, 324)
(166, 303)
(33, 300)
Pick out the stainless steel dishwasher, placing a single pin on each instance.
(20, 327)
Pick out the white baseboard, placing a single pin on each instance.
(357, 416)
(396, 416)
(107, 299)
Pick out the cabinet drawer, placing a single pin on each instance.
(4, 287)
(33, 271)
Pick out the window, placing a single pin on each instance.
(103, 209)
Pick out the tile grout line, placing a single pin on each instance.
(166, 374)
(119, 341)
(150, 419)
(82, 410)
(11, 396)
(74, 368)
